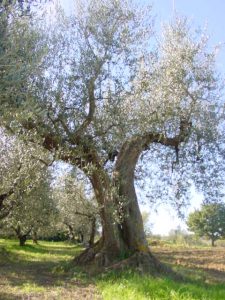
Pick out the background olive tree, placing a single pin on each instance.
(21, 169)
(32, 213)
(77, 212)
(209, 221)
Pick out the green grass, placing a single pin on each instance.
(132, 286)
(44, 271)
(43, 251)
(37, 271)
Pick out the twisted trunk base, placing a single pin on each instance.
(143, 262)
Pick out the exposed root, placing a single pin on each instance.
(89, 254)
(143, 262)
(146, 263)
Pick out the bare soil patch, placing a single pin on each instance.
(211, 261)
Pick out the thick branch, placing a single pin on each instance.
(89, 118)
(131, 149)
(83, 214)
(4, 196)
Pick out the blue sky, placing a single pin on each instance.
(202, 13)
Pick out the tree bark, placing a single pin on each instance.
(71, 232)
(93, 230)
(21, 236)
(22, 239)
(113, 243)
(80, 237)
(4, 210)
(213, 242)
(35, 238)
(132, 224)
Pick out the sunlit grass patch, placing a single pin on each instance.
(132, 286)
(44, 251)
(30, 287)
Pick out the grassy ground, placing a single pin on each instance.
(135, 287)
(42, 272)
(38, 272)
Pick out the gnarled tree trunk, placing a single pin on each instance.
(132, 224)
(111, 245)
(123, 230)
(21, 236)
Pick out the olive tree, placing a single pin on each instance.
(209, 221)
(77, 212)
(105, 97)
(21, 168)
(34, 213)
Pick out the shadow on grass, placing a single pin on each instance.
(27, 269)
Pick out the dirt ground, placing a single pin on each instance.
(209, 262)
(37, 282)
